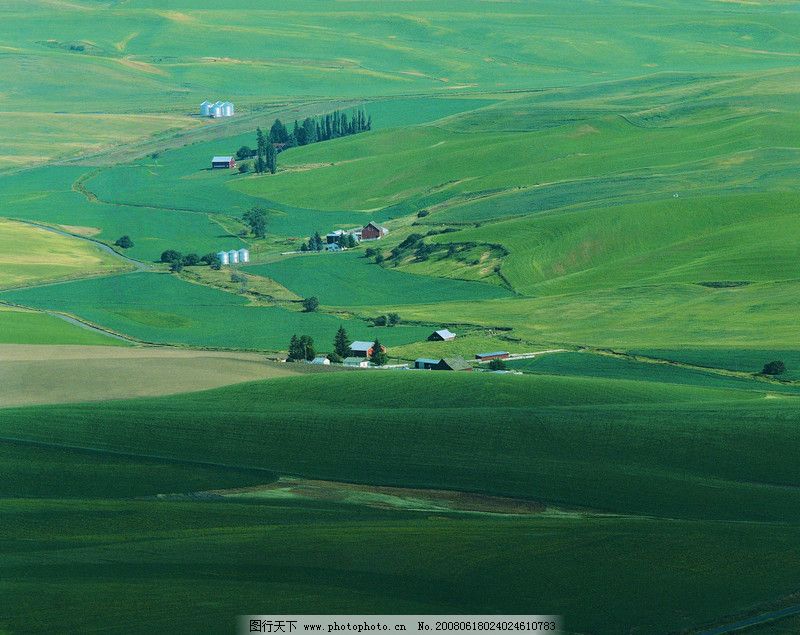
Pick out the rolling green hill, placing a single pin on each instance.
(561, 175)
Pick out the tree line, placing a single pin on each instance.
(310, 130)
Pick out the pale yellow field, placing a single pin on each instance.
(34, 374)
(29, 138)
(31, 254)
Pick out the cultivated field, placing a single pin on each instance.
(30, 255)
(64, 374)
(614, 179)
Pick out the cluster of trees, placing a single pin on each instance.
(178, 261)
(124, 242)
(256, 220)
(302, 348)
(390, 319)
(316, 243)
(774, 368)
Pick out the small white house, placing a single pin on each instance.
(356, 362)
(224, 259)
(244, 255)
(205, 108)
(320, 360)
(233, 257)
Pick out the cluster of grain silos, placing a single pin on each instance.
(234, 256)
(218, 109)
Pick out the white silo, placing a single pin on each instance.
(227, 109)
(244, 255)
(215, 110)
(205, 108)
(223, 257)
(233, 257)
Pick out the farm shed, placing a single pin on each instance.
(424, 363)
(485, 357)
(223, 162)
(452, 363)
(442, 335)
(371, 231)
(320, 360)
(356, 362)
(223, 257)
(363, 349)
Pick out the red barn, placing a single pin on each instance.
(372, 231)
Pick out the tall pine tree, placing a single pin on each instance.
(341, 343)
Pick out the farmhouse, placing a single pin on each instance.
(424, 363)
(483, 357)
(223, 162)
(452, 363)
(371, 231)
(442, 335)
(356, 362)
(363, 349)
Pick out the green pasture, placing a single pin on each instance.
(746, 360)
(608, 367)
(162, 308)
(622, 446)
(32, 327)
(197, 565)
(41, 471)
(349, 279)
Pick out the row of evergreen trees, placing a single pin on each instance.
(311, 130)
(323, 128)
(302, 348)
